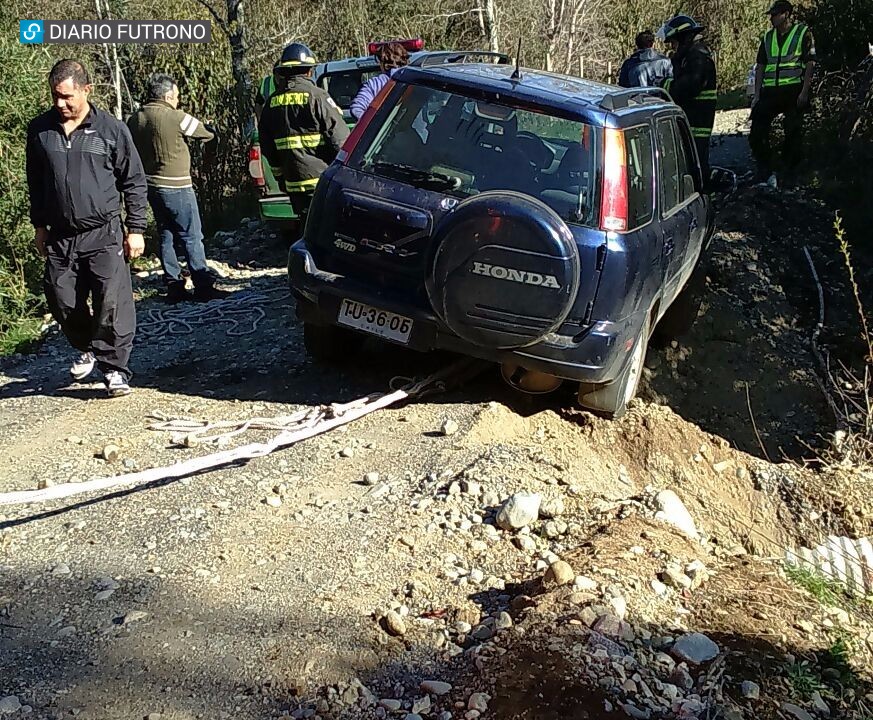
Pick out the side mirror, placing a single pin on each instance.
(688, 188)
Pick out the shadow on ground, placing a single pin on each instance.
(183, 659)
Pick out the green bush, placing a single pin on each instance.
(206, 91)
(20, 265)
(843, 29)
(841, 122)
(733, 30)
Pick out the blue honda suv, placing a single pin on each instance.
(540, 221)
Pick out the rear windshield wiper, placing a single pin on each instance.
(417, 175)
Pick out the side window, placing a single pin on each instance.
(669, 177)
(688, 161)
(640, 176)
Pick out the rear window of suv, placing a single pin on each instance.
(344, 85)
(460, 146)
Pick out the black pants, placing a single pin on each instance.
(301, 201)
(702, 145)
(768, 108)
(92, 264)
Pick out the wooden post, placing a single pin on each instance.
(609, 71)
(581, 66)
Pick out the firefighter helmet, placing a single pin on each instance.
(679, 26)
(296, 56)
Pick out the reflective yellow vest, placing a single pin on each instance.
(784, 65)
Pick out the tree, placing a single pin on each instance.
(233, 24)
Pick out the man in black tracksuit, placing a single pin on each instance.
(301, 128)
(80, 161)
(694, 81)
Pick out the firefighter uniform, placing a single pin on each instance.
(693, 88)
(302, 129)
(694, 82)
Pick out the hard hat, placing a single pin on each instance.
(294, 56)
(678, 26)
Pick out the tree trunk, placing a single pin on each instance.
(236, 32)
(490, 23)
(112, 64)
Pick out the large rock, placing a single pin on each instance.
(695, 648)
(394, 624)
(796, 712)
(520, 510)
(552, 507)
(750, 690)
(9, 705)
(478, 701)
(672, 511)
(559, 573)
(435, 687)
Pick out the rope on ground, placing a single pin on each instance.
(825, 370)
(294, 428)
(242, 310)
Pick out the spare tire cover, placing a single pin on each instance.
(505, 271)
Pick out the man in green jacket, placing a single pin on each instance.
(160, 131)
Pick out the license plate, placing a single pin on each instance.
(385, 324)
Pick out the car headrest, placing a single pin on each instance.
(573, 162)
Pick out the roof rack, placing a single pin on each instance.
(459, 56)
(623, 98)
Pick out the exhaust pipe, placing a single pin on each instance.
(532, 382)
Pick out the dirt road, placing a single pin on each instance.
(247, 591)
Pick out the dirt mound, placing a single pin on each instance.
(651, 448)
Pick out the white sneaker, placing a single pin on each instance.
(116, 385)
(82, 366)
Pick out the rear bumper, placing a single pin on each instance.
(276, 207)
(595, 356)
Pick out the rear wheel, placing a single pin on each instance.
(328, 343)
(611, 400)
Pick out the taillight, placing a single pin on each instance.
(613, 204)
(355, 136)
(256, 170)
(412, 45)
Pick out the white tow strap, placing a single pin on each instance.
(301, 426)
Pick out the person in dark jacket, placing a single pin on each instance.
(302, 129)
(694, 82)
(391, 56)
(646, 67)
(81, 161)
(160, 131)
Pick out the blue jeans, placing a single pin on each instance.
(178, 220)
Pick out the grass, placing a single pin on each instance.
(146, 293)
(803, 679)
(20, 336)
(826, 591)
(733, 99)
